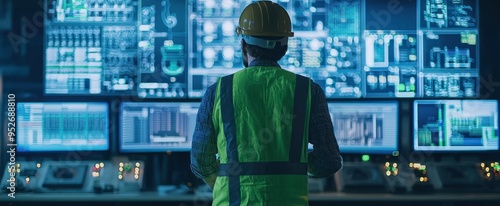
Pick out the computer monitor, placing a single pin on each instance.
(455, 125)
(365, 127)
(157, 126)
(62, 126)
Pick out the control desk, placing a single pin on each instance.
(415, 177)
(73, 176)
(121, 183)
(125, 176)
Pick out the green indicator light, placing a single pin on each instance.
(365, 158)
(127, 168)
(412, 87)
(395, 153)
(401, 87)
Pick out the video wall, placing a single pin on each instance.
(177, 49)
(172, 51)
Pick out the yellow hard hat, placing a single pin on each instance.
(265, 18)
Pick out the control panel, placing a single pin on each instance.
(391, 169)
(74, 176)
(445, 177)
(490, 173)
(127, 176)
(69, 176)
(415, 177)
(130, 176)
(425, 177)
(21, 176)
(398, 177)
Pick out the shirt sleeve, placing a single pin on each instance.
(325, 159)
(204, 163)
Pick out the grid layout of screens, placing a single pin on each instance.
(455, 125)
(360, 127)
(62, 126)
(177, 49)
(157, 126)
(368, 128)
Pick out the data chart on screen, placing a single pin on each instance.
(157, 126)
(365, 127)
(62, 126)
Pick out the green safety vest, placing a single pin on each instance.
(261, 117)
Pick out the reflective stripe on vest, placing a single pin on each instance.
(233, 169)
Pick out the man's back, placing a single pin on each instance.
(261, 118)
(264, 98)
(257, 122)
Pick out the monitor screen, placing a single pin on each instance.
(157, 126)
(177, 49)
(455, 125)
(62, 126)
(108, 47)
(365, 127)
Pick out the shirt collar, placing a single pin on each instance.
(263, 63)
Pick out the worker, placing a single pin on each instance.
(253, 127)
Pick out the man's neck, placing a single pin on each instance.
(264, 63)
(251, 59)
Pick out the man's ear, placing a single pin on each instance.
(243, 48)
(244, 53)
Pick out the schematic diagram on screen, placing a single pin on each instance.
(456, 125)
(391, 64)
(216, 49)
(162, 46)
(449, 14)
(91, 47)
(450, 64)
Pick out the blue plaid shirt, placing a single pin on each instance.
(323, 161)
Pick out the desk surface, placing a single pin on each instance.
(315, 197)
